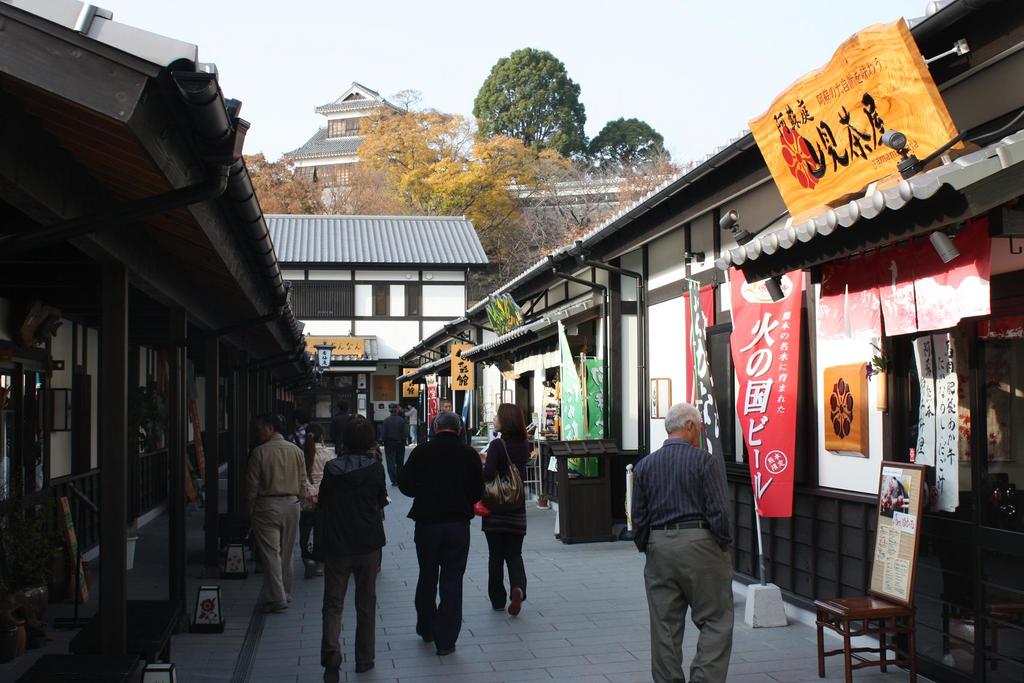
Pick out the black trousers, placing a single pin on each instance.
(337, 571)
(504, 549)
(307, 520)
(394, 456)
(441, 549)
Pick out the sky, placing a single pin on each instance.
(696, 70)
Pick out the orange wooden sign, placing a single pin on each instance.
(462, 370)
(846, 409)
(343, 346)
(410, 389)
(821, 137)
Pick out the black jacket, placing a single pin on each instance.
(351, 508)
(444, 478)
(394, 429)
(337, 428)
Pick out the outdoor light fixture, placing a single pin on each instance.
(234, 562)
(694, 256)
(159, 672)
(208, 616)
(774, 287)
(731, 221)
(944, 246)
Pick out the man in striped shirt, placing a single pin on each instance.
(679, 495)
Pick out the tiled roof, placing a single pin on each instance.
(958, 174)
(373, 100)
(380, 240)
(321, 146)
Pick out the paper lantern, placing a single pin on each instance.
(234, 562)
(208, 616)
(159, 672)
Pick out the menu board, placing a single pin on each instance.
(900, 503)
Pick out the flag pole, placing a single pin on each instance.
(760, 548)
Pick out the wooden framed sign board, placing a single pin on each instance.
(900, 503)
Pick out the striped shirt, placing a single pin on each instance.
(678, 482)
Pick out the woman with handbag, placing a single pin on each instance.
(317, 456)
(505, 526)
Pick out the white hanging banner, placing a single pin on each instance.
(947, 432)
(924, 356)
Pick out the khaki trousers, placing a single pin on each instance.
(337, 571)
(275, 524)
(686, 569)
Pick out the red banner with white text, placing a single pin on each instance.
(765, 345)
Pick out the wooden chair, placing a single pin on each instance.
(866, 616)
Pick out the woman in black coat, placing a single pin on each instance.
(505, 531)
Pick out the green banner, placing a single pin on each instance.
(595, 398)
(573, 422)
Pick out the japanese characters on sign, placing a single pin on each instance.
(462, 369)
(900, 504)
(343, 346)
(821, 138)
(410, 389)
(700, 303)
(766, 353)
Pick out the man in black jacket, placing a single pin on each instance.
(349, 538)
(444, 478)
(393, 432)
(338, 425)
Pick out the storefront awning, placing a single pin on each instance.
(963, 187)
(525, 334)
(429, 369)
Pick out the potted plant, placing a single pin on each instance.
(878, 367)
(147, 419)
(27, 553)
(542, 501)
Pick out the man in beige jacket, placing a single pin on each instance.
(275, 481)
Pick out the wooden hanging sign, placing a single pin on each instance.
(821, 138)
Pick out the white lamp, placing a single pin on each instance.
(208, 616)
(159, 672)
(234, 562)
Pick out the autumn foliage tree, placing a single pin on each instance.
(280, 190)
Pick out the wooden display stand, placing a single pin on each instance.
(888, 608)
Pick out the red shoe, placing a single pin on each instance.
(516, 602)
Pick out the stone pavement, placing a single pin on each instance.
(585, 620)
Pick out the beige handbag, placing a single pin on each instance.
(504, 493)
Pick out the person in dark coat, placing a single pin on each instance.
(505, 531)
(464, 437)
(444, 478)
(393, 432)
(349, 538)
(341, 418)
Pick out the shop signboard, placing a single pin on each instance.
(410, 389)
(343, 346)
(938, 431)
(574, 425)
(702, 300)
(766, 353)
(899, 515)
(463, 371)
(433, 400)
(595, 398)
(821, 138)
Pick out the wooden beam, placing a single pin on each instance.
(113, 462)
(211, 447)
(177, 438)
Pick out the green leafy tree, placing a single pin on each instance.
(627, 143)
(529, 96)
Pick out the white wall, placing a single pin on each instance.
(848, 472)
(702, 238)
(665, 263)
(328, 328)
(364, 300)
(444, 275)
(328, 274)
(60, 442)
(393, 275)
(446, 300)
(633, 261)
(394, 337)
(93, 369)
(293, 274)
(396, 301)
(630, 378)
(667, 345)
(430, 327)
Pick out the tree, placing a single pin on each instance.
(280, 190)
(529, 96)
(626, 143)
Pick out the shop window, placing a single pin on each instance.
(413, 300)
(380, 299)
(332, 300)
(340, 128)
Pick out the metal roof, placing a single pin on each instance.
(530, 329)
(958, 174)
(428, 369)
(379, 240)
(322, 146)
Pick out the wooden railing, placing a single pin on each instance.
(87, 521)
(152, 481)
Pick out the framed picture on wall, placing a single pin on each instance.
(661, 397)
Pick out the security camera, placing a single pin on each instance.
(729, 221)
(894, 139)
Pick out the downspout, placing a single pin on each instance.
(641, 312)
(607, 321)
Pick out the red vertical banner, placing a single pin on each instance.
(433, 402)
(766, 352)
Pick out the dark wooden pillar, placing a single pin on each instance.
(241, 419)
(113, 461)
(211, 446)
(177, 440)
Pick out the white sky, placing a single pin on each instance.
(696, 70)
